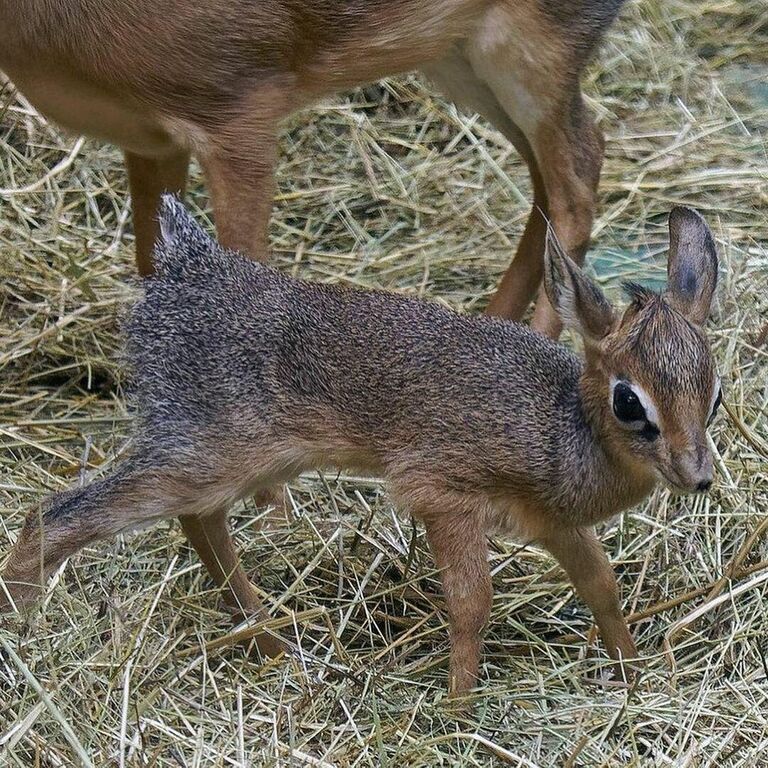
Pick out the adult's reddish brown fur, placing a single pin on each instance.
(164, 78)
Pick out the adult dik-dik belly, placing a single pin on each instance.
(85, 107)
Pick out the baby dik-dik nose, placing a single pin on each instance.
(696, 469)
(705, 476)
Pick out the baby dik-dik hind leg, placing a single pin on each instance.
(212, 540)
(66, 522)
(581, 554)
(139, 492)
(460, 549)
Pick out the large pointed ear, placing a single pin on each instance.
(692, 265)
(579, 302)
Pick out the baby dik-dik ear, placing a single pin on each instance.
(692, 266)
(579, 302)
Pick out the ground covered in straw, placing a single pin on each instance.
(130, 660)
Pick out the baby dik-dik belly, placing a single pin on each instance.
(511, 518)
(84, 107)
(529, 520)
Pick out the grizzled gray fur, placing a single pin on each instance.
(244, 377)
(226, 352)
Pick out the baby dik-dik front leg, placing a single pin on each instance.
(460, 549)
(579, 552)
(211, 538)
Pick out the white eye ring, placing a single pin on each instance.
(717, 389)
(651, 414)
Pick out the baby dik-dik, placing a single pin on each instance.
(245, 377)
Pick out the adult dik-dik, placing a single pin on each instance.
(163, 78)
(245, 377)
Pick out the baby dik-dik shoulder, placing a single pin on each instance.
(244, 377)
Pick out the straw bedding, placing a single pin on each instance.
(130, 659)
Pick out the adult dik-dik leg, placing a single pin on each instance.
(148, 179)
(569, 148)
(460, 549)
(544, 102)
(580, 553)
(456, 78)
(240, 166)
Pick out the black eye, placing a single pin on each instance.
(626, 404)
(718, 400)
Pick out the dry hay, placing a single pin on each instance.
(130, 660)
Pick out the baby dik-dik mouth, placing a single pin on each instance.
(679, 488)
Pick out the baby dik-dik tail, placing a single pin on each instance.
(245, 377)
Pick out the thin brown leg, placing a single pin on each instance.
(580, 553)
(523, 276)
(148, 179)
(212, 540)
(543, 102)
(455, 77)
(67, 522)
(241, 178)
(460, 549)
(570, 162)
(137, 493)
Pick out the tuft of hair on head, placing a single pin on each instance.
(638, 294)
(183, 247)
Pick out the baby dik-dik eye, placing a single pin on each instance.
(630, 410)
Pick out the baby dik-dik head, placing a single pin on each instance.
(650, 379)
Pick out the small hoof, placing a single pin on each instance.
(460, 703)
(627, 671)
(23, 594)
(270, 645)
(265, 644)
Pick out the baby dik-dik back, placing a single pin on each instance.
(244, 377)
